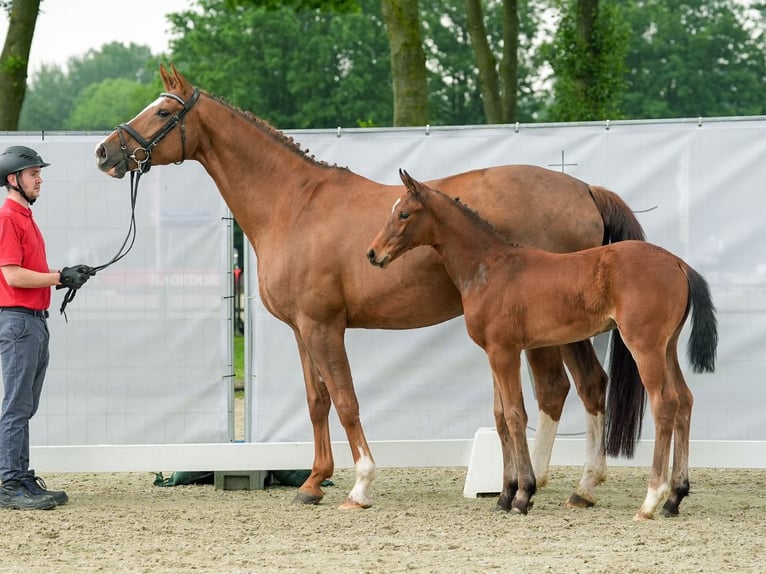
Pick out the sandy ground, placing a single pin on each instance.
(420, 522)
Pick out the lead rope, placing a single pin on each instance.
(126, 246)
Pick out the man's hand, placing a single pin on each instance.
(75, 277)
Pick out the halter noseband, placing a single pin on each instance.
(142, 155)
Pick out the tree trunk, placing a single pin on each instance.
(498, 91)
(408, 62)
(587, 10)
(509, 69)
(489, 84)
(14, 61)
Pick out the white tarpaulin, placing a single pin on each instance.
(698, 188)
(143, 356)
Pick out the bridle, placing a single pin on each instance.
(142, 155)
(145, 152)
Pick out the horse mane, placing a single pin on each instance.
(277, 135)
(474, 215)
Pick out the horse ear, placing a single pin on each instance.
(165, 76)
(408, 182)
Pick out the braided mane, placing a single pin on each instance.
(275, 134)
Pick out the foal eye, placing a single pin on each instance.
(403, 215)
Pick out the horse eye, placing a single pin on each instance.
(403, 215)
(163, 113)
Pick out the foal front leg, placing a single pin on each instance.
(506, 372)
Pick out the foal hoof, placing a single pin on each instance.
(578, 501)
(304, 498)
(642, 517)
(669, 509)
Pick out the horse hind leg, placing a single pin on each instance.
(590, 381)
(679, 480)
(551, 386)
(663, 400)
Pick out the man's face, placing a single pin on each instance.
(29, 180)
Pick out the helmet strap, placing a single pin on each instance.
(19, 189)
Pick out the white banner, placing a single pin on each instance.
(698, 188)
(142, 358)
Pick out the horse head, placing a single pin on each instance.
(404, 228)
(135, 145)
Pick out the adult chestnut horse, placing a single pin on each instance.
(517, 298)
(310, 224)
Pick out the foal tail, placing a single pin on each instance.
(626, 397)
(703, 340)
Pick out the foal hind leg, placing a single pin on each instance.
(663, 400)
(590, 381)
(679, 480)
(551, 388)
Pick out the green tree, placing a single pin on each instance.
(52, 95)
(588, 58)
(306, 69)
(694, 58)
(408, 62)
(104, 105)
(14, 60)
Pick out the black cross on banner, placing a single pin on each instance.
(562, 165)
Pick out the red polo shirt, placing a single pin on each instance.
(22, 244)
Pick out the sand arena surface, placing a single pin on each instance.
(420, 522)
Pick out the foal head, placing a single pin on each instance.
(407, 227)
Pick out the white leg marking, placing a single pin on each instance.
(543, 447)
(654, 497)
(595, 458)
(365, 473)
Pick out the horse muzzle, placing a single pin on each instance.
(377, 262)
(111, 163)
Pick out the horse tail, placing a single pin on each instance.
(703, 340)
(626, 396)
(620, 223)
(625, 402)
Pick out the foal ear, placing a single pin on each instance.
(409, 183)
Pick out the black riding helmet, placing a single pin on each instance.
(16, 158)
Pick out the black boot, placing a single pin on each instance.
(13, 494)
(36, 485)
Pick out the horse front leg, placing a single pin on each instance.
(506, 372)
(318, 399)
(510, 475)
(590, 381)
(326, 347)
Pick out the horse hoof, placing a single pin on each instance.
(642, 517)
(669, 509)
(349, 504)
(578, 501)
(304, 498)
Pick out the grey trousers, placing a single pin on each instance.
(24, 356)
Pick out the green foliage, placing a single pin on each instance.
(694, 58)
(54, 93)
(104, 105)
(589, 71)
(308, 69)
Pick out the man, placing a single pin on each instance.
(25, 294)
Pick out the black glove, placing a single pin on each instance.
(75, 277)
